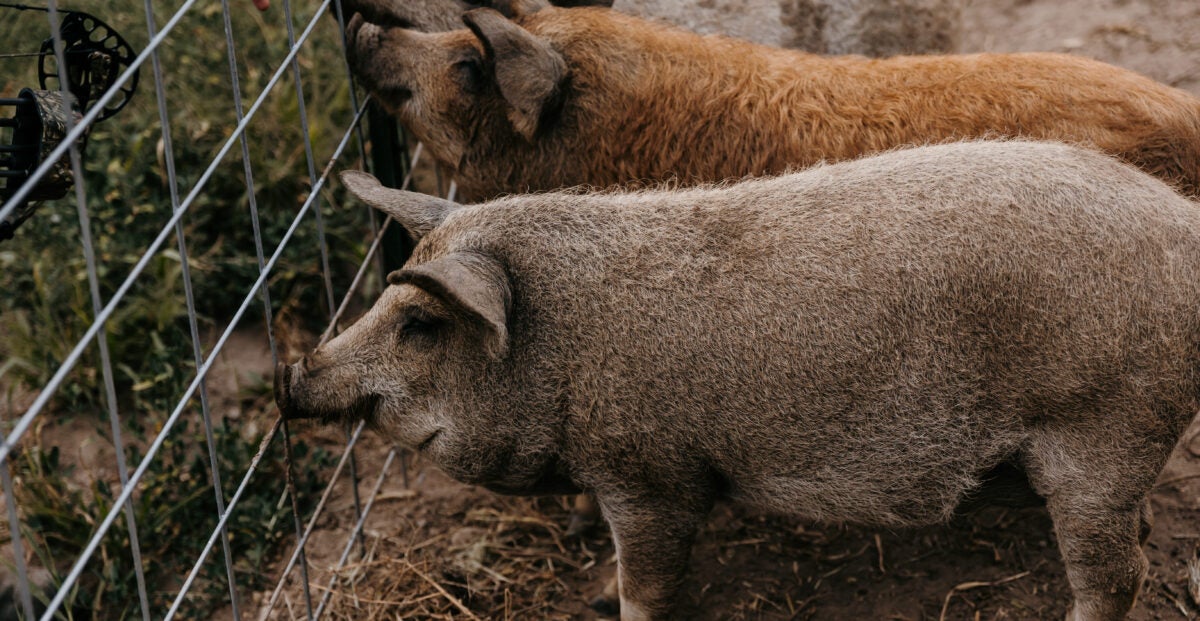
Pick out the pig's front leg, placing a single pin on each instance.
(653, 536)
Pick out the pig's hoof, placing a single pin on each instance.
(580, 525)
(606, 605)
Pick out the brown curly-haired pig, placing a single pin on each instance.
(556, 97)
(859, 342)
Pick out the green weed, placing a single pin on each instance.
(175, 511)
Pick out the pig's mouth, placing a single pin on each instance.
(394, 95)
(363, 408)
(385, 89)
(426, 442)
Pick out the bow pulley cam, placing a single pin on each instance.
(94, 57)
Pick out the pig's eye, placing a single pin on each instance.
(419, 325)
(470, 74)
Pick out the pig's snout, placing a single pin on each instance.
(315, 389)
(364, 34)
(283, 393)
(352, 28)
(363, 38)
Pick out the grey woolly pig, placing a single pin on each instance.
(869, 27)
(858, 342)
(555, 98)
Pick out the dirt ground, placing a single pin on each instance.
(438, 549)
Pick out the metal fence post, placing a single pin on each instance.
(389, 162)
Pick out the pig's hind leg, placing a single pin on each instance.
(1097, 500)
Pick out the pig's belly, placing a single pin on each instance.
(919, 498)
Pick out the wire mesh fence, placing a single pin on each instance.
(199, 218)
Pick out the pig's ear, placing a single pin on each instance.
(417, 213)
(528, 71)
(473, 284)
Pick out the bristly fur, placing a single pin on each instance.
(862, 341)
(644, 102)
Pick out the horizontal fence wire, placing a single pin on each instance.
(257, 292)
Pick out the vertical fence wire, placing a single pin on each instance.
(268, 319)
(248, 173)
(362, 154)
(85, 231)
(355, 532)
(326, 278)
(308, 152)
(23, 592)
(14, 528)
(265, 294)
(190, 300)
